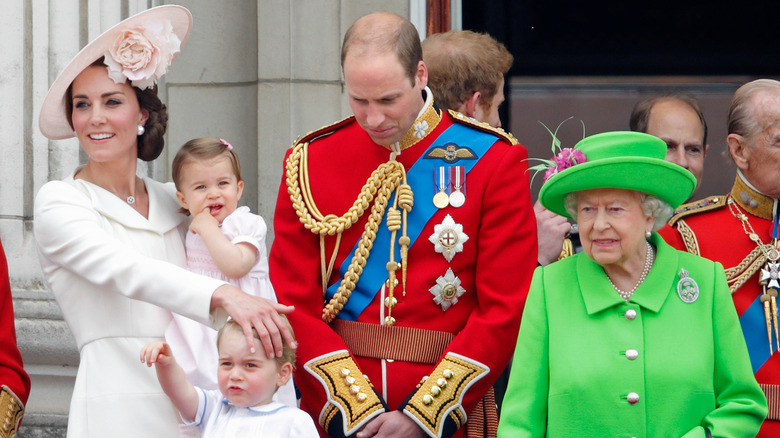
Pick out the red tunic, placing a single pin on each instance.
(495, 269)
(711, 226)
(12, 375)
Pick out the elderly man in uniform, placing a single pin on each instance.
(14, 381)
(740, 230)
(678, 120)
(406, 242)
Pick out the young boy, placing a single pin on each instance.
(247, 382)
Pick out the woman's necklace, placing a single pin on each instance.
(649, 258)
(130, 199)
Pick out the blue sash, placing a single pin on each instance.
(753, 325)
(753, 322)
(420, 177)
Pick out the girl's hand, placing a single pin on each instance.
(203, 221)
(156, 353)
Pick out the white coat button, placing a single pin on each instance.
(630, 314)
(632, 398)
(632, 354)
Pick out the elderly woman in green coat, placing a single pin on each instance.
(630, 338)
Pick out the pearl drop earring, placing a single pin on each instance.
(140, 130)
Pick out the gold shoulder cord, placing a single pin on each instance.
(388, 178)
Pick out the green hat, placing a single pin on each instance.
(617, 160)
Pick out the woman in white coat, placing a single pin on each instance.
(110, 243)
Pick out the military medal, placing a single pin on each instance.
(447, 290)
(441, 199)
(687, 288)
(458, 178)
(769, 280)
(448, 238)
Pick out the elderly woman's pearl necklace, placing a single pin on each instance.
(649, 258)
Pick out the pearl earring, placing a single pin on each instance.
(140, 130)
(648, 234)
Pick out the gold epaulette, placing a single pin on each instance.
(696, 207)
(325, 130)
(482, 126)
(11, 410)
(438, 401)
(352, 400)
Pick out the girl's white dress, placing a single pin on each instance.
(195, 345)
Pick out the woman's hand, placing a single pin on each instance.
(258, 313)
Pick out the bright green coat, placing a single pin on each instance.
(571, 375)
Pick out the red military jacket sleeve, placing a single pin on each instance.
(14, 381)
(494, 268)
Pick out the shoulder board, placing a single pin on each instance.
(325, 130)
(482, 126)
(696, 207)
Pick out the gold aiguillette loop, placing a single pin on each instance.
(765, 298)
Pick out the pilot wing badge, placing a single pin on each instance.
(451, 153)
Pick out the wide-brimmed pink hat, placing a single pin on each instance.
(139, 49)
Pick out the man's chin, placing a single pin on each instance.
(384, 140)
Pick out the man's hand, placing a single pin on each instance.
(393, 424)
(258, 313)
(551, 229)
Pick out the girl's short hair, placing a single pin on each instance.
(199, 149)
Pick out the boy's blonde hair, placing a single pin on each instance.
(288, 353)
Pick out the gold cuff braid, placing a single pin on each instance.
(12, 410)
(440, 395)
(347, 389)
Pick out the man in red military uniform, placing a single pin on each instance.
(14, 382)
(740, 231)
(404, 237)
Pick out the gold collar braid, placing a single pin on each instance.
(751, 200)
(387, 178)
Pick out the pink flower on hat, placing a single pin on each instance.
(566, 158)
(142, 54)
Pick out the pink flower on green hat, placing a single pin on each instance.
(563, 159)
(142, 54)
(566, 158)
